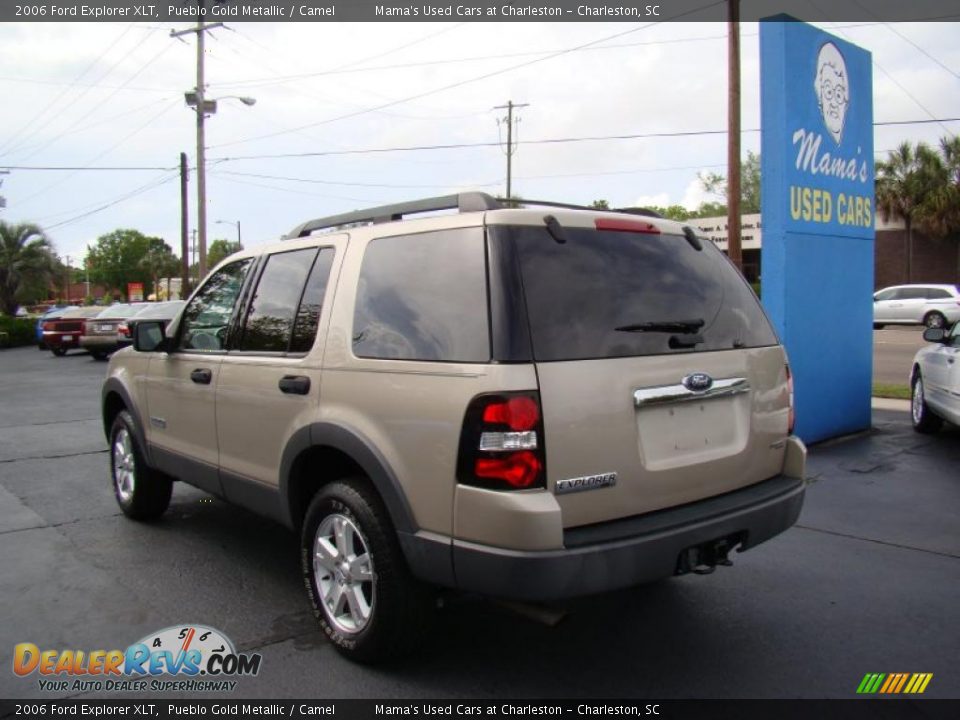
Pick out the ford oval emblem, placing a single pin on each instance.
(698, 382)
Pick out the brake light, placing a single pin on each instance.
(623, 225)
(793, 414)
(124, 329)
(48, 325)
(500, 443)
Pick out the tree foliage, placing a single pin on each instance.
(916, 184)
(716, 184)
(218, 250)
(125, 256)
(26, 263)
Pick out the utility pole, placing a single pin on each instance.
(509, 107)
(184, 232)
(202, 107)
(66, 281)
(733, 134)
(3, 200)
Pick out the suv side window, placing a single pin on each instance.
(885, 295)
(277, 303)
(424, 297)
(206, 319)
(311, 304)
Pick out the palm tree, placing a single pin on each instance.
(26, 255)
(939, 215)
(905, 181)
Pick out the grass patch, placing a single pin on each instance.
(897, 392)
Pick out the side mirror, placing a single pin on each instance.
(935, 335)
(149, 336)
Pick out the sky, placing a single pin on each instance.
(111, 95)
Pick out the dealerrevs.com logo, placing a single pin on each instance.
(181, 658)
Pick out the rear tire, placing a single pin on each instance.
(59, 352)
(934, 319)
(364, 598)
(141, 492)
(924, 421)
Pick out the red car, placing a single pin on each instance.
(64, 333)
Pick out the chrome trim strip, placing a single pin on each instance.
(678, 393)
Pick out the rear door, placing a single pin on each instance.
(655, 363)
(269, 383)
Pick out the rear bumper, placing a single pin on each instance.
(99, 342)
(61, 340)
(626, 552)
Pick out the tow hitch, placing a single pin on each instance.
(703, 559)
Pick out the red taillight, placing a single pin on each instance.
(793, 415)
(501, 444)
(623, 225)
(48, 325)
(124, 329)
(519, 470)
(517, 413)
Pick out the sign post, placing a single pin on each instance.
(818, 219)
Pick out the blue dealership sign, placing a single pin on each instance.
(818, 219)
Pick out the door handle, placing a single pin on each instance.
(295, 384)
(201, 376)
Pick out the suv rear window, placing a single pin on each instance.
(423, 297)
(620, 294)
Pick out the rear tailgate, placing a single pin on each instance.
(666, 448)
(619, 315)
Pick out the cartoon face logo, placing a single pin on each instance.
(832, 88)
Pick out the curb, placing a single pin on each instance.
(878, 403)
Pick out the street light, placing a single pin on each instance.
(204, 107)
(232, 222)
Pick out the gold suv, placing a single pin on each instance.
(530, 403)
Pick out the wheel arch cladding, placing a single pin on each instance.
(116, 399)
(323, 452)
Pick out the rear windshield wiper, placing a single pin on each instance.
(667, 326)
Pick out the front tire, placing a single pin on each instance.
(924, 421)
(99, 355)
(59, 352)
(141, 492)
(364, 598)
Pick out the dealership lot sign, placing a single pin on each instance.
(818, 215)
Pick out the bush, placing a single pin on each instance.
(17, 332)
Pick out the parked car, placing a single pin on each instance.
(163, 311)
(62, 333)
(50, 314)
(524, 403)
(935, 380)
(935, 306)
(100, 333)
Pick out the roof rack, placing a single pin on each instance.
(462, 202)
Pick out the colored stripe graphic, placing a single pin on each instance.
(894, 683)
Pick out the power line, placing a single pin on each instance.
(471, 80)
(279, 79)
(541, 141)
(347, 183)
(119, 200)
(44, 111)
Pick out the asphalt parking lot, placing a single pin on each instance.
(869, 580)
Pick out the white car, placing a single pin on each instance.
(935, 380)
(933, 305)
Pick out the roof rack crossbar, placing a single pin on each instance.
(462, 202)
